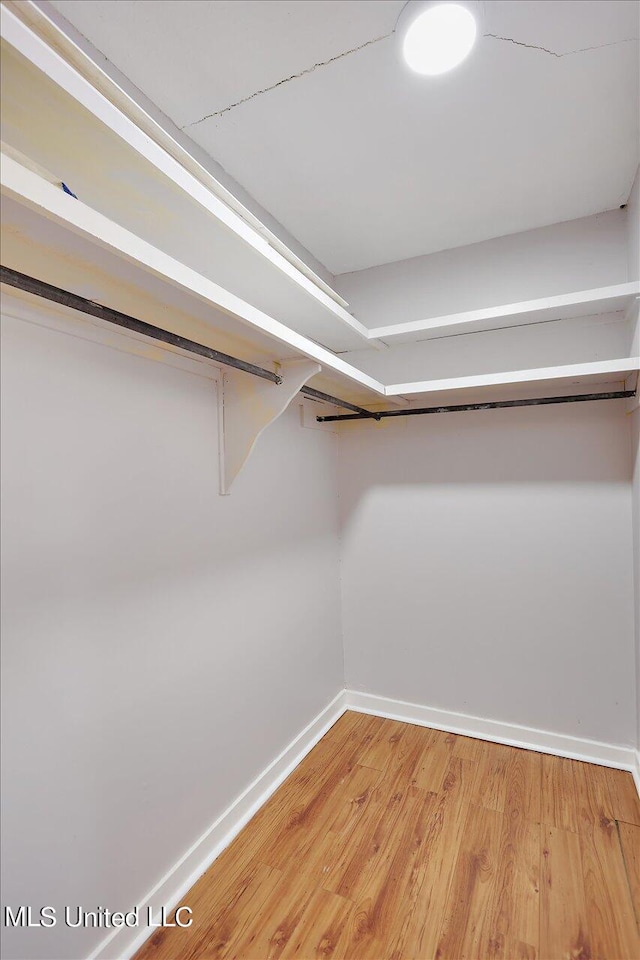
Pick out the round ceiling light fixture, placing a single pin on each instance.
(437, 35)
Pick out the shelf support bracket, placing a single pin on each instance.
(247, 405)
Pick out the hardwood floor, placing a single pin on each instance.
(393, 841)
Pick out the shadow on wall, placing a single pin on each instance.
(574, 443)
(486, 564)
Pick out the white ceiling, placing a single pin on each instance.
(366, 163)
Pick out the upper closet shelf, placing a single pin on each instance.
(583, 303)
(580, 374)
(51, 203)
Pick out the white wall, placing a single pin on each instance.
(487, 565)
(633, 243)
(633, 229)
(564, 258)
(161, 644)
(635, 454)
(634, 318)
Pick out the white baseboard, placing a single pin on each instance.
(543, 741)
(636, 770)
(124, 941)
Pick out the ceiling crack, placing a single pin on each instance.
(294, 76)
(368, 43)
(552, 53)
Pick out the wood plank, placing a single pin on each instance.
(416, 895)
(384, 745)
(430, 770)
(355, 798)
(593, 803)
(321, 925)
(269, 927)
(218, 913)
(523, 785)
(468, 748)
(343, 727)
(418, 936)
(563, 910)
(413, 741)
(366, 849)
(443, 737)
(630, 844)
(512, 927)
(513, 924)
(399, 775)
(352, 727)
(305, 779)
(490, 788)
(459, 779)
(292, 830)
(234, 878)
(558, 799)
(466, 917)
(382, 892)
(612, 922)
(625, 802)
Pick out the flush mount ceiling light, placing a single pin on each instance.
(437, 35)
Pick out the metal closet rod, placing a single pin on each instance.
(48, 292)
(361, 413)
(492, 405)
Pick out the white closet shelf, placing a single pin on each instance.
(582, 303)
(53, 205)
(583, 375)
(233, 247)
